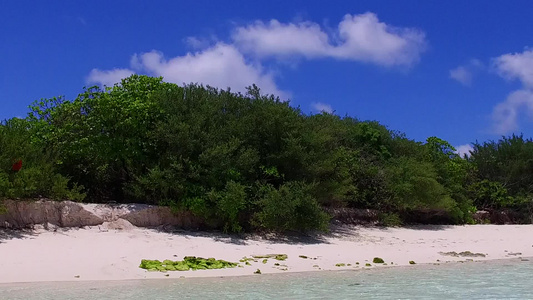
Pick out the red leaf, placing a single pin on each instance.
(17, 166)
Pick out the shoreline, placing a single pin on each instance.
(420, 266)
(96, 254)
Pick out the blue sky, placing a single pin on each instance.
(459, 70)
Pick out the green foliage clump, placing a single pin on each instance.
(39, 175)
(378, 260)
(502, 176)
(188, 263)
(390, 219)
(411, 262)
(3, 209)
(292, 206)
(340, 265)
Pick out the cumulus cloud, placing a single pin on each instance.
(461, 74)
(358, 37)
(465, 73)
(322, 107)
(107, 78)
(220, 66)
(514, 66)
(505, 114)
(463, 150)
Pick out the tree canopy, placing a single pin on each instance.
(247, 161)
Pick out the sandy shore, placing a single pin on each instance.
(97, 254)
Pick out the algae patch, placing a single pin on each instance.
(463, 254)
(340, 265)
(188, 263)
(274, 256)
(378, 260)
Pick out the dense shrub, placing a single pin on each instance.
(245, 161)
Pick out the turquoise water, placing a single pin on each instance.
(507, 279)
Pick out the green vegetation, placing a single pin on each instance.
(257, 271)
(340, 265)
(245, 162)
(274, 256)
(188, 263)
(378, 260)
(462, 254)
(411, 262)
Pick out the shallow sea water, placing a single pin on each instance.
(505, 279)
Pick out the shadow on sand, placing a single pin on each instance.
(295, 238)
(9, 234)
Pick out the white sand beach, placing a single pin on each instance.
(98, 253)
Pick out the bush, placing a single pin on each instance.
(390, 220)
(291, 207)
(229, 203)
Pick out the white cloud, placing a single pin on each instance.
(220, 66)
(322, 107)
(359, 37)
(464, 74)
(514, 66)
(505, 114)
(201, 43)
(107, 78)
(276, 38)
(461, 74)
(463, 150)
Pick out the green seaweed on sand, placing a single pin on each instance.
(378, 260)
(340, 265)
(412, 262)
(274, 256)
(257, 271)
(265, 260)
(463, 254)
(188, 263)
(246, 259)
